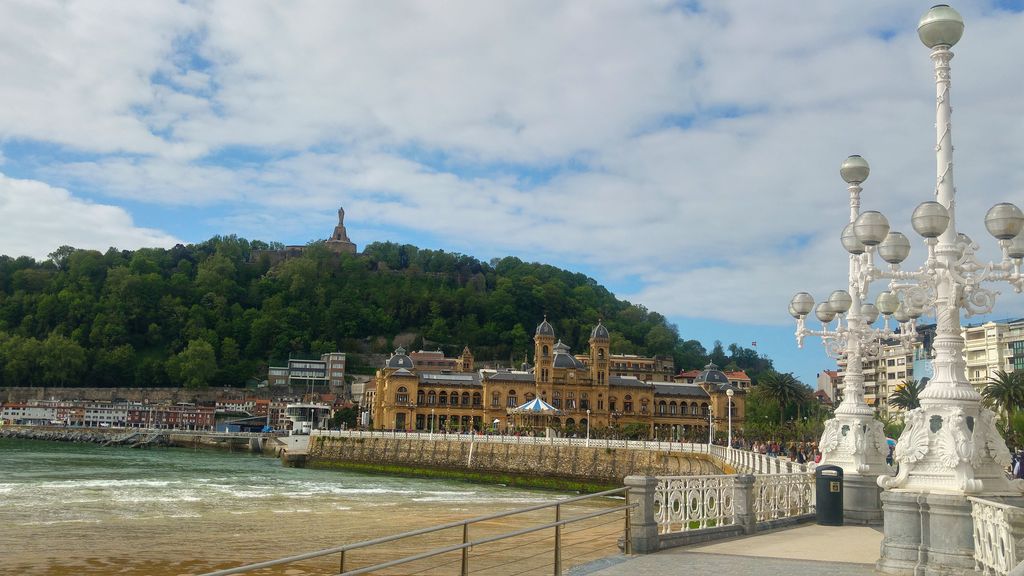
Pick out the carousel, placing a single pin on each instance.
(534, 415)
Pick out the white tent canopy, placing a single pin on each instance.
(536, 407)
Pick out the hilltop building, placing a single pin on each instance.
(432, 394)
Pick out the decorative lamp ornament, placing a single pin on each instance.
(802, 303)
(854, 170)
(1016, 248)
(824, 312)
(941, 26)
(887, 302)
(794, 313)
(868, 313)
(901, 314)
(840, 301)
(871, 227)
(895, 248)
(850, 241)
(930, 219)
(1004, 221)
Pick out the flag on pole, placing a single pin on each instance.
(754, 343)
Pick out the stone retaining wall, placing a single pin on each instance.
(599, 465)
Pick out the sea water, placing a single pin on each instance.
(85, 509)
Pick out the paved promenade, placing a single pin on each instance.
(804, 550)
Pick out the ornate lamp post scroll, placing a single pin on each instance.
(950, 444)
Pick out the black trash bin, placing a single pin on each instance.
(828, 500)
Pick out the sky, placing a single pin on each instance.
(684, 154)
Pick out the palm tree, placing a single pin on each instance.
(907, 396)
(783, 388)
(1005, 391)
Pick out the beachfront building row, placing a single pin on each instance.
(585, 389)
(78, 414)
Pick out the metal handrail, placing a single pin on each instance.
(420, 531)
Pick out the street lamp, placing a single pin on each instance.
(711, 425)
(950, 444)
(431, 423)
(729, 392)
(588, 427)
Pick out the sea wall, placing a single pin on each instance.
(516, 463)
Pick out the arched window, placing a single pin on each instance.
(662, 408)
(672, 408)
(612, 402)
(627, 404)
(431, 398)
(694, 409)
(495, 399)
(529, 396)
(705, 410)
(556, 399)
(402, 396)
(544, 351)
(442, 398)
(512, 400)
(465, 398)
(420, 396)
(600, 353)
(643, 405)
(477, 400)
(584, 401)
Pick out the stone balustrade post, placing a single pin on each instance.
(642, 525)
(743, 503)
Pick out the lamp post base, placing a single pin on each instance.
(862, 502)
(928, 534)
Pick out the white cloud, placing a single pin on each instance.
(38, 219)
(694, 148)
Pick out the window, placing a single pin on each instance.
(643, 406)
(705, 410)
(477, 400)
(431, 398)
(600, 353)
(512, 401)
(495, 400)
(465, 398)
(584, 401)
(419, 397)
(402, 396)
(600, 404)
(662, 408)
(672, 408)
(556, 399)
(570, 400)
(544, 351)
(442, 398)
(612, 403)
(627, 404)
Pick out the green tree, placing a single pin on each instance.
(784, 389)
(907, 395)
(1005, 392)
(194, 366)
(63, 361)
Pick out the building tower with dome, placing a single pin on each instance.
(585, 388)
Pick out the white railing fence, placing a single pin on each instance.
(998, 534)
(783, 495)
(686, 503)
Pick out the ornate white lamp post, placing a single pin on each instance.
(588, 427)
(950, 447)
(711, 426)
(729, 392)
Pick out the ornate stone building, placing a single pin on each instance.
(404, 396)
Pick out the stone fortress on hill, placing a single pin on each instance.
(599, 389)
(338, 243)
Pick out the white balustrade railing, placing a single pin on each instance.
(998, 528)
(683, 503)
(783, 495)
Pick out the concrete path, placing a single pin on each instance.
(804, 550)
